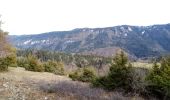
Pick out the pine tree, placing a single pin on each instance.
(159, 78)
(119, 76)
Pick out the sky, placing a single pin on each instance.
(39, 16)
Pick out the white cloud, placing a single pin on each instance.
(37, 16)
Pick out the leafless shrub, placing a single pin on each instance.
(81, 91)
(139, 83)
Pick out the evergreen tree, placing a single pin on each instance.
(159, 78)
(119, 76)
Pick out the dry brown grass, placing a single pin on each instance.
(80, 91)
(18, 84)
(142, 65)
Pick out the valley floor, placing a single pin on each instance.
(18, 84)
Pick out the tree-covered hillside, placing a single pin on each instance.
(138, 41)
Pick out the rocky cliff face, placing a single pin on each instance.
(139, 41)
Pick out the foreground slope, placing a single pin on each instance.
(18, 84)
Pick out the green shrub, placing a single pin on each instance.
(159, 79)
(101, 82)
(59, 68)
(7, 61)
(7, 53)
(22, 62)
(34, 64)
(3, 65)
(54, 67)
(86, 74)
(11, 59)
(75, 75)
(119, 76)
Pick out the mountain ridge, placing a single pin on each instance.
(139, 41)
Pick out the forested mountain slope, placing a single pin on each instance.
(138, 41)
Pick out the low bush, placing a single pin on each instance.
(33, 64)
(22, 62)
(138, 83)
(86, 74)
(54, 67)
(3, 65)
(7, 61)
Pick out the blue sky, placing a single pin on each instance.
(38, 16)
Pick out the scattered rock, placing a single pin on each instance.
(5, 85)
(46, 98)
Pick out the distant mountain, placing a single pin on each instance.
(139, 41)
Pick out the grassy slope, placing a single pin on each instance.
(18, 84)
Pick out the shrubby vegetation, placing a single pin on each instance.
(122, 75)
(7, 61)
(79, 60)
(137, 80)
(22, 62)
(86, 74)
(51, 58)
(119, 76)
(54, 67)
(32, 63)
(159, 79)
(7, 53)
(3, 64)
